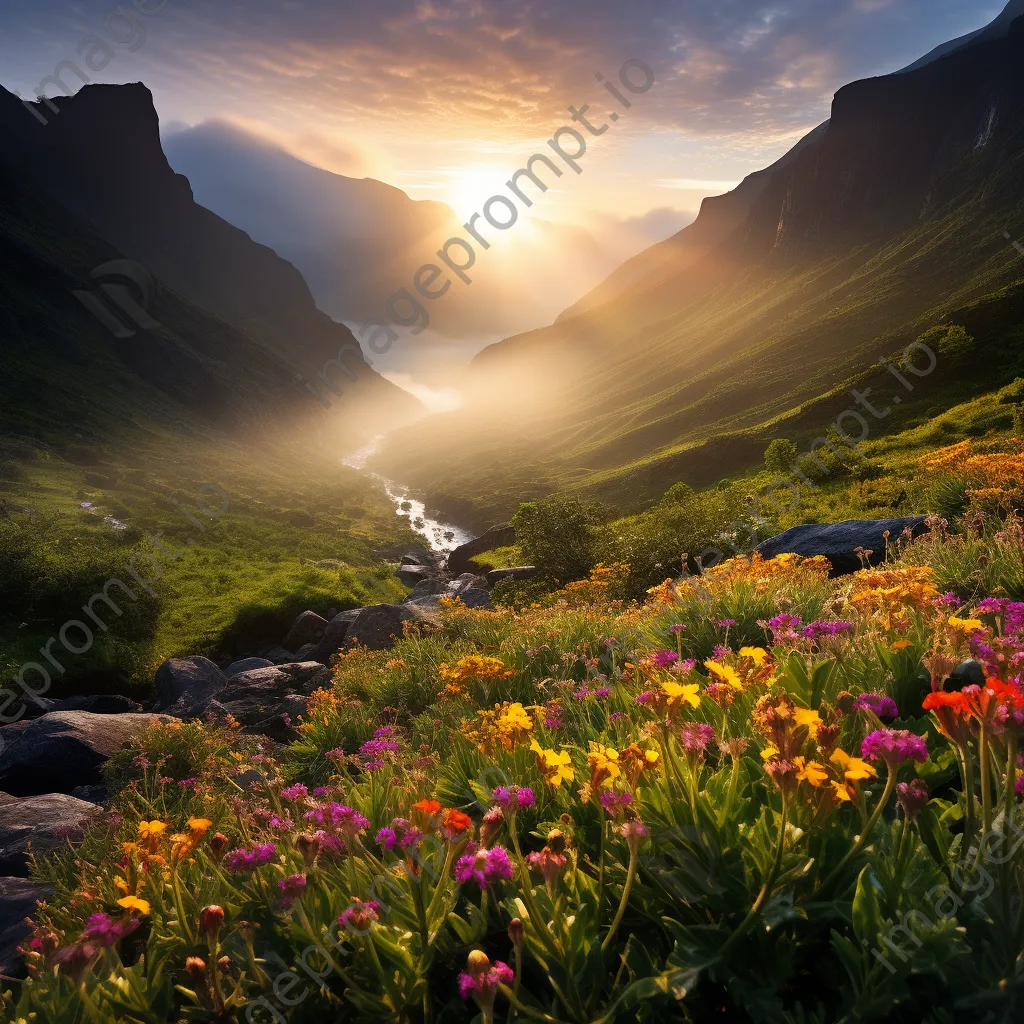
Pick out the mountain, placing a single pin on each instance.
(886, 221)
(997, 29)
(357, 240)
(100, 157)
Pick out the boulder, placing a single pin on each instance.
(65, 749)
(35, 707)
(245, 664)
(376, 627)
(306, 629)
(838, 541)
(278, 655)
(100, 704)
(18, 898)
(268, 714)
(519, 572)
(45, 821)
(495, 537)
(303, 653)
(419, 558)
(410, 575)
(187, 677)
(334, 636)
(294, 677)
(475, 597)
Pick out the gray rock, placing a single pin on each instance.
(294, 677)
(65, 749)
(303, 653)
(245, 664)
(6, 798)
(18, 898)
(410, 575)
(429, 587)
(475, 597)
(92, 794)
(306, 629)
(100, 704)
(495, 537)
(187, 677)
(420, 558)
(838, 541)
(376, 627)
(278, 655)
(519, 572)
(334, 636)
(268, 714)
(46, 821)
(36, 707)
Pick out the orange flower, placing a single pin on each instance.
(455, 823)
(424, 814)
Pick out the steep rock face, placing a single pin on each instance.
(100, 156)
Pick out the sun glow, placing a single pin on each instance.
(472, 186)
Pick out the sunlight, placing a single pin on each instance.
(472, 186)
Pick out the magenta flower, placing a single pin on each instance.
(664, 658)
(241, 860)
(291, 888)
(894, 746)
(360, 916)
(484, 867)
(386, 839)
(677, 628)
(484, 984)
(513, 799)
(296, 792)
(104, 930)
(693, 738)
(604, 691)
(338, 817)
(884, 707)
(913, 797)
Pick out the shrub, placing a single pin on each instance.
(558, 536)
(780, 455)
(950, 339)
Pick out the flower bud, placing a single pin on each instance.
(556, 841)
(195, 967)
(224, 965)
(210, 920)
(913, 797)
(491, 825)
(515, 932)
(308, 846)
(218, 844)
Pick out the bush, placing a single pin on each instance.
(780, 455)
(950, 339)
(558, 536)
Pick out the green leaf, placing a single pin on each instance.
(867, 914)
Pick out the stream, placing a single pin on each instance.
(441, 536)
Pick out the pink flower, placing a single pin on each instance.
(296, 792)
(484, 867)
(894, 746)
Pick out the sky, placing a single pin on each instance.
(444, 98)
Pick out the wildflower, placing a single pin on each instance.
(135, 904)
(481, 980)
(455, 824)
(386, 839)
(604, 765)
(664, 657)
(555, 766)
(296, 792)
(309, 846)
(513, 799)
(724, 673)
(783, 773)
(218, 844)
(675, 694)
(195, 967)
(291, 888)
(677, 628)
(894, 746)
(549, 861)
(491, 825)
(634, 832)
(810, 771)
(615, 803)
(854, 769)
(484, 867)
(603, 691)
(210, 920)
(104, 930)
(884, 707)
(965, 625)
(693, 738)
(636, 760)
(338, 817)
(804, 717)
(757, 654)
(735, 746)
(360, 916)
(913, 797)
(241, 860)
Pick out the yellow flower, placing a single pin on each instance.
(555, 766)
(199, 824)
(678, 692)
(854, 768)
(151, 829)
(966, 624)
(134, 903)
(758, 654)
(899, 645)
(725, 673)
(604, 765)
(810, 771)
(120, 883)
(841, 792)
(769, 752)
(805, 716)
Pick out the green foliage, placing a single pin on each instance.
(680, 491)
(558, 536)
(780, 455)
(950, 339)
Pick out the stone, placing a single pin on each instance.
(519, 572)
(268, 714)
(475, 597)
(376, 626)
(495, 537)
(91, 794)
(245, 664)
(35, 707)
(294, 677)
(334, 636)
(302, 654)
(65, 749)
(410, 575)
(278, 655)
(187, 677)
(100, 704)
(306, 629)
(46, 821)
(18, 898)
(838, 541)
(429, 587)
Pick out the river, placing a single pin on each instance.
(441, 536)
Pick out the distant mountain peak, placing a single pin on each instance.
(996, 29)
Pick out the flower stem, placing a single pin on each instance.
(865, 836)
(630, 875)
